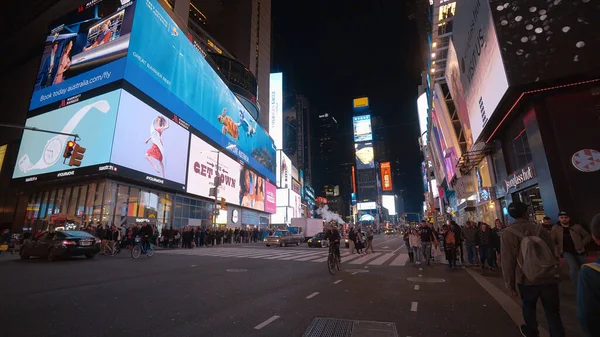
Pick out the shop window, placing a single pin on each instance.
(516, 147)
(98, 200)
(121, 206)
(533, 199)
(132, 207)
(110, 193)
(64, 204)
(447, 11)
(89, 202)
(44, 205)
(73, 201)
(81, 202)
(178, 210)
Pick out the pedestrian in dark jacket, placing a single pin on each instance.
(588, 290)
(484, 240)
(459, 242)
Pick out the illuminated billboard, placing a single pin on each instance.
(41, 154)
(360, 104)
(386, 176)
(84, 49)
(422, 109)
(284, 170)
(362, 128)
(276, 110)
(364, 155)
(166, 66)
(202, 170)
(252, 190)
(482, 76)
(458, 93)
(364, 206)
(389, 202)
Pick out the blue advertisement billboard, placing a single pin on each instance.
(149, 142)
(362, 128)
(164, 64)
(84, 49)
(364, 155)
(92, 119)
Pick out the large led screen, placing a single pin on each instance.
(92, 119)
(543, 40)
(276, 109)
(147, 141)
(164, 64)
(252, 190)
(389, 202)
(202, 170)
(482, 73)
(458, 93)
(284, 170)
(84, 49)
(362, 128)
(386, 176)
(364, 156)
(270, 198)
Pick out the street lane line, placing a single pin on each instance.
(267, 322)
(365, 258)
(366, 267)
(279, 256)
(420, 275)
(413, 306)
(301, 255)
(312, 295)
(400, 260)
(338, 281)
(380, 260)
(354, 273)
(308, 258)
(508, 304)
(417, 287)
(386, 247)
(399, 248)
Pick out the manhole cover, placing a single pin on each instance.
(426, 279)
(237, 270)
(356, 270)
(333, 327)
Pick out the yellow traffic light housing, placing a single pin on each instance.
(77, 155)
(223, 204)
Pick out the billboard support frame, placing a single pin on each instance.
(30, 128)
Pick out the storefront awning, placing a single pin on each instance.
(471, 158)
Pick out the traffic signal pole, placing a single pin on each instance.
(22, 127)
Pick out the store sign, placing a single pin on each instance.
(296, 187)
(518, 178)
(587, 160)
(386, 176)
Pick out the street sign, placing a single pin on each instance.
(212, 192)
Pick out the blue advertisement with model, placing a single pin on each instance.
(84, 49)
(164, 64)
(92, 119)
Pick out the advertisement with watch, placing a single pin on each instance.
(92, 119)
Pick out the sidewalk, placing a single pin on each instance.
(568, 303)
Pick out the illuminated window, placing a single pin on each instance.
(432, 55)
(447, 11)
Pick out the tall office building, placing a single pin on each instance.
(326, 151)
(296, 133)
(239, 29)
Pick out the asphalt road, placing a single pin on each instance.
(190, 295)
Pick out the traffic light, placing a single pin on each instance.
(223, 205)
(77, 156)
(69, 149)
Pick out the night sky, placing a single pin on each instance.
(333, 50)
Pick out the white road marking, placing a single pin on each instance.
(267, 322)
(193, 265)
(312, 295)
(338, 281)
(413, 306)
(312, 257)
(380, 260)
(354, 273)
(420, 269)
(417, 287)
(420, 275)
(365, 258)
(366, 267)
(399, 248)
(386, 247)
(301, 255)
(400, 260)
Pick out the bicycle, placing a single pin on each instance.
(138, 248)
(333, 261)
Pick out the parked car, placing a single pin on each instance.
(283, 238)
(61, 244)
(317, 241)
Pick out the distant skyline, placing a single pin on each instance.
(351, 49)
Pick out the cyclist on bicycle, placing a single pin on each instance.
(334, 237)
(146, 233)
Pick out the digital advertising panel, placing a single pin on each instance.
(284, 170)
(389, 202)
(270, 198)
(364, 155)
(546, 40)
(202, 170)
(296, 204)
(149, 142)
(252, 190)
(362, 128)
(422, 110)
(386, 176)
(165, 65)
(276, 110)
(2, 154)
(482, 72)
(283, 197)
(360, 104)
(92, 119)
(453, 75)
(84, 49)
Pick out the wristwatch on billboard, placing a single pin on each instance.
(56, 145)
(234, 216)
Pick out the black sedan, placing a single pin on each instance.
(317, 241)
(54, 245)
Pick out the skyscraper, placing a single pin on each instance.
(326, 151)
(296, 133)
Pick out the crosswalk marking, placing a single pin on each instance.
(316, 255)
(365, 258)
(380, 260)
(400, 260)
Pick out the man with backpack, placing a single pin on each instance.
(588, 290)
(529, 264)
